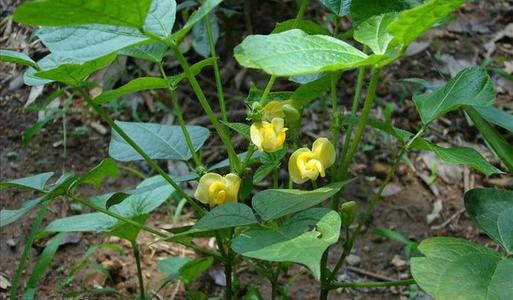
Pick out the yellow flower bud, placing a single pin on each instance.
(215, 189)
(281, 109)
(307, 164)
(268, 137)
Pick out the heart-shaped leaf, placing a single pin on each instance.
(72, 12)
(294, 52)
(492, 210)
(158, 141)
(413, 22)
(301, 239)
(472, 86)
(275, 203)
(457, 269)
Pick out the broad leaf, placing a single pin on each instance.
(498, 143)
(200, 41)
(301, 239)
(413, 22)
(472, 86)
(338, 7)
(8, 216)
(171, 266)
(204, 9)
(453, 155)
(312, 90)
(264, 170)
(457, 269)
(18, 58)
(106, 168)
(240, 128)
(496, 116)
(158, 141)
(136, 85)
(362, 10)
(194, 268)
(161, 18)
(275, 203)
(492, 210)
(307, 26)
(68, 70)
(135, 207)
(153, 52)
(373, 32)
(72, 12)
(88, 42)
(33, 183)
(294, 52)
(221, 217)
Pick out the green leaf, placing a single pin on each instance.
(498, 143)
(204, 9)
(275, 203)
(413, 22)
(18, 58)
(242, 156)
(240, 128)
(496, 116)
(264, 170)
(454, 155)
(31, 183)
(161, 18)
(68, 70)
(194, 268)
(338, 7)
(136, 206)
(312, 90)
(158, 141)
(471, 86)
(171, 266)
(8, 216)
(457, 269)
(73, 12)
(301, 239)
(106, 168)
(42, 264)
(88, 42)
(362, 10)
(307, 26)
(294, 52)
(135, 85)
(153, 52)
(221, 217)
(200, 41)
(373, 32)
(492, 210)
(195, 69)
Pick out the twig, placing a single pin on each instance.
(369, 273)
(446, 222)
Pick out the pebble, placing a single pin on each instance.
(11, 243)
(353, 260)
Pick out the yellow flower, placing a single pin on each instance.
(281, 109)
(307, 164)
(216, 189)
(268, 137)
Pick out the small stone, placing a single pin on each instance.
(11, 243)
(366, 249)
(4, 283)
(398, 262)
(353, 260)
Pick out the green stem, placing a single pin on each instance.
(103, 114)
(228, 276)
(137, 257)
(334, 114)
(371, 284)
(234, 159)
(249, 153)
(267, 90)
(301, 12)
(26, 250)
(354, 108)
(217, 73)
(348, 245)
(134, 171)
(181, 121)
(275, 178)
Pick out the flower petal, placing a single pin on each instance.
(324, 152)
(201, 193)
(294, 172)
(256, 134)
(232, 182)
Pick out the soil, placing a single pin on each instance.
(409, 198)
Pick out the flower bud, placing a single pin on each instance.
(215, 189)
